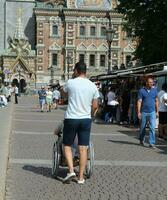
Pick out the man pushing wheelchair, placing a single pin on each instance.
(82, 98)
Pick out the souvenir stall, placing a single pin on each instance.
(126, 84)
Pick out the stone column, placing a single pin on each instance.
(97, 60)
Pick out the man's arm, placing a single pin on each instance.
(95, 101)
(156, 106)
(94, 106)
(139, 102)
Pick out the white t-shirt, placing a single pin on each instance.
(56, 94)
(81, 92)
(110, 97)
(16, 90)
(162, 107)
(10, 91)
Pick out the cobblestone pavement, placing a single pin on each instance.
(123, 169)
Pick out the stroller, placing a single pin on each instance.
(58, 158)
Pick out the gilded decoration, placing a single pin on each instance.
(93, 4)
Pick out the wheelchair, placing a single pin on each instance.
(58, 158)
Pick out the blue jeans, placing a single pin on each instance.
(107, 117)
(149, 118)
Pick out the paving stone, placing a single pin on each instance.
(35, 182)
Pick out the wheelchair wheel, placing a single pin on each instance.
(56, 157)
(90, 161)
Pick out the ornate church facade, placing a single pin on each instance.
(66, 32)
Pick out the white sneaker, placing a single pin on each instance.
(81, 181)
(69, 177)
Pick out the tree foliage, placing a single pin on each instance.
(147, 21)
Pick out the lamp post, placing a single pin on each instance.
(68, 65)
(51, 74)
(109, 38)
(35, 76)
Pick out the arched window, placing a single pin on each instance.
(92, 60)
(81, 57)
(103, 31)
(92, 30)
(54, 59)
(54, 30)
(50, 5)
(102, 60)
(82, 31)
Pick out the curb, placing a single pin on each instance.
(5, 130)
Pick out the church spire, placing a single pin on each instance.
(19, 33)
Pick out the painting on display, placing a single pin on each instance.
(94, 4)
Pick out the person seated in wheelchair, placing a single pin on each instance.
(82, 96)
(59, 132)
(59, 129)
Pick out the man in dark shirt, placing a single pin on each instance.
(147, 107)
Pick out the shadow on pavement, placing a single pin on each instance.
(161, 144)
(130, 133)
(46, 171)
(124, 142)
(163, 149)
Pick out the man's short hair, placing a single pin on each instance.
(149, 77)
(80, 67)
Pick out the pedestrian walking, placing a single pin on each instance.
(9, 94)
(147, 107)
(82, 96)
(162, 98)
(49, 97)
(42, 98)
(112, 105)
(56, 97)
(16, 92)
